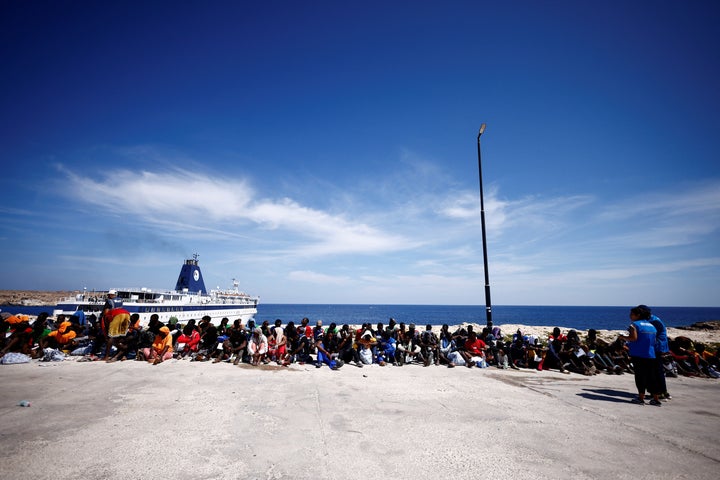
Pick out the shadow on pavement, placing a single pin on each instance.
(607, 395)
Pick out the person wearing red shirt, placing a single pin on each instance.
(474, 350)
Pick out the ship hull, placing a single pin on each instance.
(183, 312)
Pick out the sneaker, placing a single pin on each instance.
(655, 403)
(638, 401)
(666, 396)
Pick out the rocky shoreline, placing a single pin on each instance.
(28, 298)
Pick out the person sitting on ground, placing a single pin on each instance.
(317, 328)
(365, 349)
(279, 349)
(305, 343)
(175, 329)
(265, 327)
(460, 335)
(61, 338)
(40, 330)
(618, 353)
(502, 358)
(364, 329)
(21, 336)
(446, 345)
(386, 351)
(204, 324)
(487, 337)
(683, 352)
(97, 338)
(598, 348)
(493, 344)
(399, 332)
(188, 343)
(408, 347)
(553, 358)
(3, 328)
(346, 348)
(145, 340)
(208, 341)
(162, 347)
(250, 327)
(578, 355)
(518, 351)
(257, 347)
(709, 356)
(379, 329)
(304, 328)
(291, 343)
(332, 342)
(154, 324)
(235, 345)
(474, 353)
(223, 327)
(323, 355)
(80, 325)
(429, 346)
(392, 326)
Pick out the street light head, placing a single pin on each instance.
(482, 129)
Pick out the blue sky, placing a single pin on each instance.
(322, 152)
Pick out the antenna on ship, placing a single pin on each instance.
(488, 303)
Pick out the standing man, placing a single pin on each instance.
(662, 348)
(641, 341)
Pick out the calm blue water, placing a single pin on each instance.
(581, 318)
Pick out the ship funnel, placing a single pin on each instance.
(190, 278)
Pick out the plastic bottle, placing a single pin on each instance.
(24, 403)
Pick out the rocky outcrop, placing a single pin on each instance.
(32, 297)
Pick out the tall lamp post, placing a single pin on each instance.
(488, 303)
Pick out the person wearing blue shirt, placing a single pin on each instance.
(662, 347)
(641, 339)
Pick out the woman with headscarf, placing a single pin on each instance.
(161, 349)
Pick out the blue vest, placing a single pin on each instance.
(644, 346)
(661, 342)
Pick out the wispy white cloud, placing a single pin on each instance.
(189, 202)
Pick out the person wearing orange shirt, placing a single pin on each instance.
(60, 338)
(161, 349)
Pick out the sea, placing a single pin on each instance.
(577, 317)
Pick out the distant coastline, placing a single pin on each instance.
(33, 297)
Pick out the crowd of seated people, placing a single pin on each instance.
(334, 346)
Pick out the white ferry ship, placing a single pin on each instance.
(189, 300)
